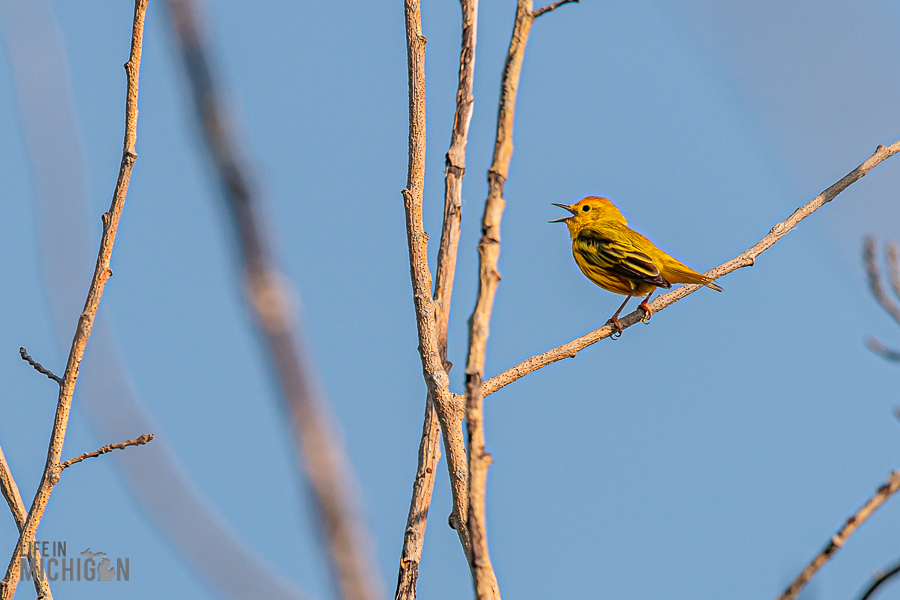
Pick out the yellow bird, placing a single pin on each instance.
(618, 258)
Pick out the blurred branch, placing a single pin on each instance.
(893, 261)
(479, 323)
(39, 367)
(101, 275)
(870, 258)
(10, 492)
(429, 447)
(327, 467)
(837, 540)
(745, 259)
(139, 441)
(883, 351)
(880, 579)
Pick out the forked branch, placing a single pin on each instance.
(429, 446)
(436, 379)
(837, 540)
(10, 492)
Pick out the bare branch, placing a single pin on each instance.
(894, 267)
(870, 257)
(745, 259)
(455, 169)
(102, 272)
(417, 240)
(423, 487)
(479, 323)
(882, 350)
(429, 448)
(39, 367)
(880, 579)
(139, 441)
(326, 465)
(10, 492)
(837, 540)
(550, 7)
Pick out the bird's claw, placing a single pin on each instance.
(618, 332)
(647, 314)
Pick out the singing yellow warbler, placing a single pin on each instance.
(618, 258)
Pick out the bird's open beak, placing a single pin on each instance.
(564, 219)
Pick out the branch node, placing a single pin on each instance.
(55, 472)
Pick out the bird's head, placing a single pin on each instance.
(587, 211)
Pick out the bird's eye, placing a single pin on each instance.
(585, 208)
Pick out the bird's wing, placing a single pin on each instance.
(618, 256)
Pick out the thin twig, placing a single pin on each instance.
(870, 257)
(550, 7)
(139, 441)
(745, 259)
(10, 492)
(484, 579)
(429, 447)
(883, 351)
(39, 367)
(837, 540)
(327, 468)
(435, 375)
(102, 272)
(880, 579)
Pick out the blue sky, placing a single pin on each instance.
(709, 454)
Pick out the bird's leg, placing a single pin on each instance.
(647, 312)
(615, 318)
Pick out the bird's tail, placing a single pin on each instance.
(711, 284)
(684, 274)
